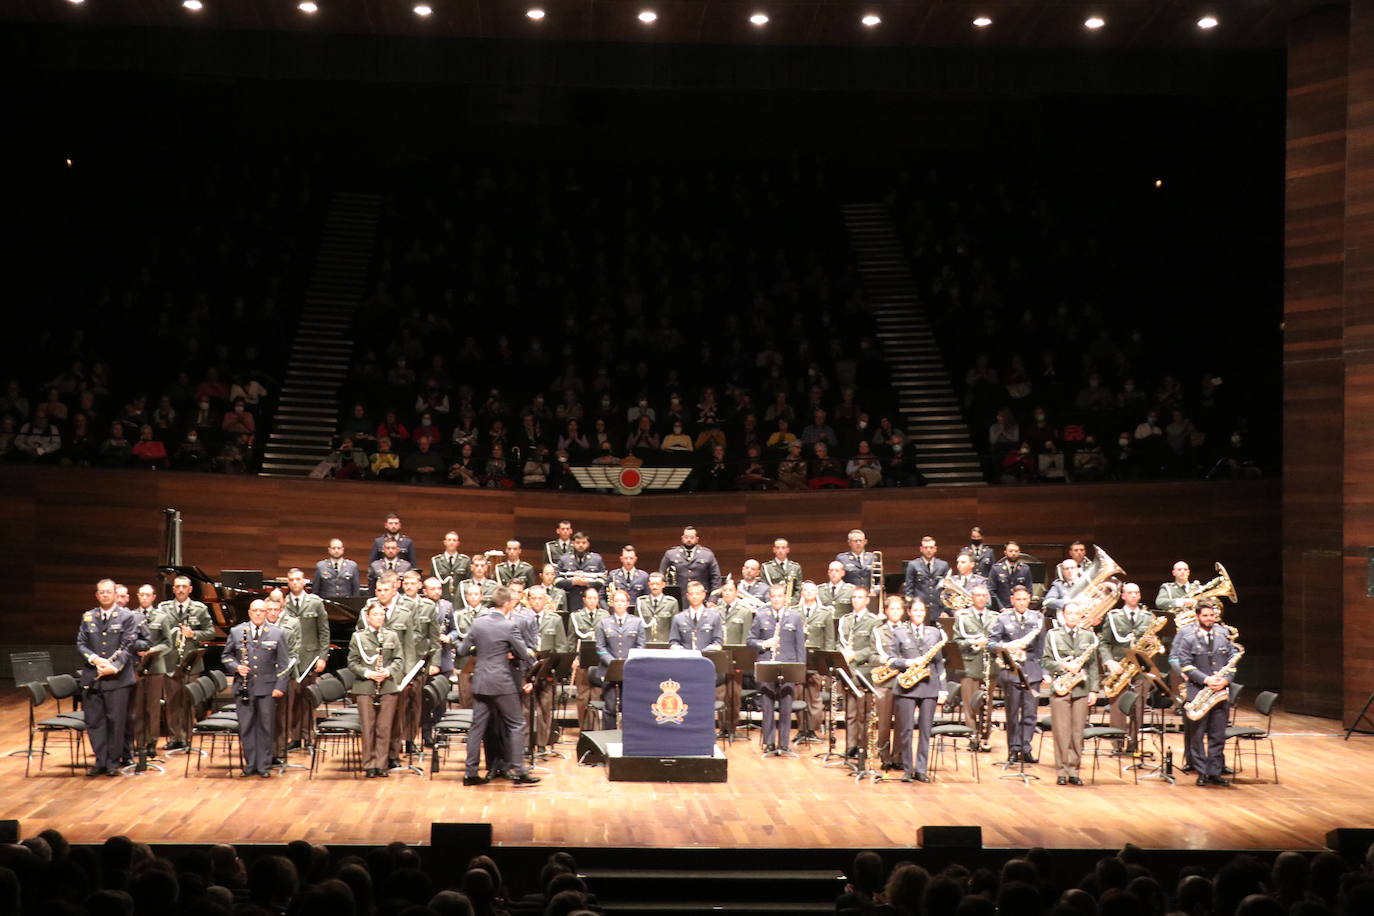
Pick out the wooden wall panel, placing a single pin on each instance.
(1314, 395)
(94, 523)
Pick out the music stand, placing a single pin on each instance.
(540, 670)
(1164, 770)
(780, 673)
(1020, 764)
(142, 762)
(615, 674)
(724, 671)
(558, 673)
(743, 658)
(863, 768)
(834, 665)
(410, 766)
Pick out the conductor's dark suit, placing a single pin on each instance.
(496, 682)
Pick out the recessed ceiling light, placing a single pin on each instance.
(871, 20)
(308, 6)
(193, 5)
(423, 9)
(1207, 22)
(982, 22)
(759, 19)
(76, 2)
(648, 16)
(534, 13)
(1094, 22)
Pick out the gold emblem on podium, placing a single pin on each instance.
(669, 707)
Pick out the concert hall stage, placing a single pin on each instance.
(780, 803)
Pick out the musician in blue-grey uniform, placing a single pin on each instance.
(751, 582)
(581, 568)
(616, 634)
(255, 656)
(629, 578)
(923, 576)
(1057, 595)
(691, 562)
(981, 554)
(1020, 631)
(390, 561)
(310, 611)
(498, 679)
(1201, 654)
(450, 567)
(697, 627)
(392, 531)
(779, 634)
(902, 642)
(781, 570)
(1007, 573)
(336, 576)
(1071, 652)
(858, 563)
(108, 641)
(182, 625)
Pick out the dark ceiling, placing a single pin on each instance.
(922, 23)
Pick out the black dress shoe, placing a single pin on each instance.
(1186, 768)
(906, 778)
(393, 762)
(277, 762)
(175, 746)
(1014, 757)
(371, 773)
(1204, 781)
(410, 747)
(293, 746)
(96, 771)
(250, 772)
(1227, 771)
(1075, 780)
(1062, 781)
(1029, 758)
(266, 774)
(384, 773)
(769, 748)
(1218, 781)
(851, 752)
(524, 779)
(497, 774)
(475, 780)
(922, 777)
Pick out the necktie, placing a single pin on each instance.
(336, 567)
(391, 564)
(104, 616)
(255, 634)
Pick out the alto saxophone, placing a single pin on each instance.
(1208, 697)
(1068, 680)
(1131, 667)
(919, 670)
(882, 673)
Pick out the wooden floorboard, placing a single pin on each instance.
(782, 803)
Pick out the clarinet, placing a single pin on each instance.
(244, 697)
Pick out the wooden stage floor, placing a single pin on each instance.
(780, 803)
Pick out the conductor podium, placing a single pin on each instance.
(668, 720)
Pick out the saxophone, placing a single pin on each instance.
(920, 669)
(1131, 667)
(884, 672)
(1068, 680)
(1208, 697)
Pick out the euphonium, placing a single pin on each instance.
(1208, 697)
(1068, 680)
(953, 595)
(920, 669)
(1219, 587)
(1114, 684)
(1096, 593)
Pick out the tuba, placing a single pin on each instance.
(1220, 587)
(1095, 592)
(953, 595)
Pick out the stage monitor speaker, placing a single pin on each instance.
(950, 837)
(467, 839)
(9, 831)
(595, 746)
(1350, 843)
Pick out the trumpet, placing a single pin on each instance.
(953, 595)
(919, 670)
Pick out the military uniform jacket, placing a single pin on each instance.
(526, 625)
(363, 650)
(635, 582)
(161, 633)
(196, 616)
(1058, 594)
(291, 630)
(616, 637)
(1065, 645)
(342, 581)
(425, 631)
(1170, 593)
(115, 640)
(584, 623)
(1197, 654)
(983, 558)
(400, 566)
(969, 625)
(310, 611)
(737, 618)
(267, 657)
(856, 635)
(463, 616)
(775, 573)
(923, 581)
(508, 572)
(1011, 627)
(488, 587)
(757, 589)
(967, 583)
(698, 565)
(820, 625)
(450, 570)
(708, 632)
(492, 639)
(858, 567)
(588, 565)
(901, 646)
(447, 625)
(401, 622)
(553, 635)
(1004, 578)
(840, 597)
(403, 541)
(1119, 629)
(558, 599)
(555, 550)
(791, 638)
(657, 614)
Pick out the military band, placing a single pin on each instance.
(138, 661)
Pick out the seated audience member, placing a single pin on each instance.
(824, 472)
(148, 452)
(115, 451)
(385, 464)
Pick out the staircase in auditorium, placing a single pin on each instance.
(309, 406)
(926, 396)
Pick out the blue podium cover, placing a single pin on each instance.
(669, 706)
